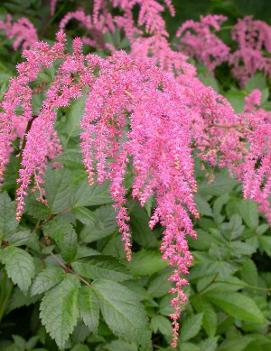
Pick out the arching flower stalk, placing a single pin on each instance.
(21, 32)
(198, 40)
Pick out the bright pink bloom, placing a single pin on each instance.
(22, 32)
(254, 47)
(199, 41)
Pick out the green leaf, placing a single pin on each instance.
(249, 212)
(19, 265)
(146, 262)
(122, 311)
(221, 185)
(58, 189)
(191, 327)
(236, 344)
(188, 346)
(59, 310)
(101, 267)
(162, 324)
(265, 244)
(203, 206)
(120, 345)
(36, 209)
(95, 195)
(65, 237)
(80, 347)
(159, 284)
(89, 307)
(142, 234)
(84, 215)
(102, 225)
(8, 222)
(209, 344)
(23, 237)
(249, 272)
(72, 125)
(237, 305)
(47, 279)
(209, 321)
(258, 81)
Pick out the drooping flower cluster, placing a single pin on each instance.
(253, 39)
(254, 47)
(257, 166)
(126, 91)
(199, 41)
(22, 32)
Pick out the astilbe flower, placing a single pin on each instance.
(19, 95)
(22, 32)
(96, 29)
(72, 76)
(254, 47)
(198, 40)
(256, 172)
(135, 113)
(157, 144)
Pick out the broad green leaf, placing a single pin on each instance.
(257, 81)
(8, 222)
(249, 212)
(265, 244)
(228, 285)
(222, 184)
(188, 346)
(19, 265)
(102, 225)
(59, 310)
(191, 326)
(58, 186)
(142, 234)
(209, 344)
(36, 209)
(146, 262)
(249, 272)
(120, 345)
(47, 279)
(239, 248)
(236, 344)
(209, 321)
(84, 215)
(237, 305)
(101, 267)
(72, 125)
(236, 99)
(162, 324)
(86, 195)
(19, 299)
(89, 307)
(203, 206)
(23, 237)
(79, 347)
(65, 237)
(159, 284)
(122, 311)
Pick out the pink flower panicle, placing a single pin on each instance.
(254, 39)
(127, 92)
(19, 94)
(22, 32)
(198, 40)
(256, 175)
